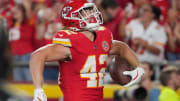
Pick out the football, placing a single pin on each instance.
(116, 67)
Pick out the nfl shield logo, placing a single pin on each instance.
(105, 46)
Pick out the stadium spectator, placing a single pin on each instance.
(113, 16)
(152, 88)
(21, 36)
(172, 28)
(131, 12)
(147, 37)
(170, 79)
(81, 50)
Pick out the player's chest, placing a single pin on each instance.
(83, 45)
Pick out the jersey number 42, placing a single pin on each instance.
(89, 71)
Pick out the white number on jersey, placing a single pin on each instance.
(89, 71)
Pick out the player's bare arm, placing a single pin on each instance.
(47, 53)
(122, 49)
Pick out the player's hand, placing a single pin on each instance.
(135, 74)
(39, 95)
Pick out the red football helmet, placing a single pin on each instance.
(81, 15)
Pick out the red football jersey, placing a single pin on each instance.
(21, 39)
(81, 79)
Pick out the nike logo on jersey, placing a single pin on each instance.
(61, 35)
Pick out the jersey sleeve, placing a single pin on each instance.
(62, 38)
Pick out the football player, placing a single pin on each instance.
(81, 49)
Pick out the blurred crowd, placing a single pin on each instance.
(150, 27)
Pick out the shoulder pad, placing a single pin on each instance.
(63, 37)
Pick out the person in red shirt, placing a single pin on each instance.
(21, 36)
(131, 12)
(81, 50)
(113, 16)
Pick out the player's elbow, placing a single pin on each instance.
(34, 56)
(37, 55)
(119, 48)
(125, 50)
